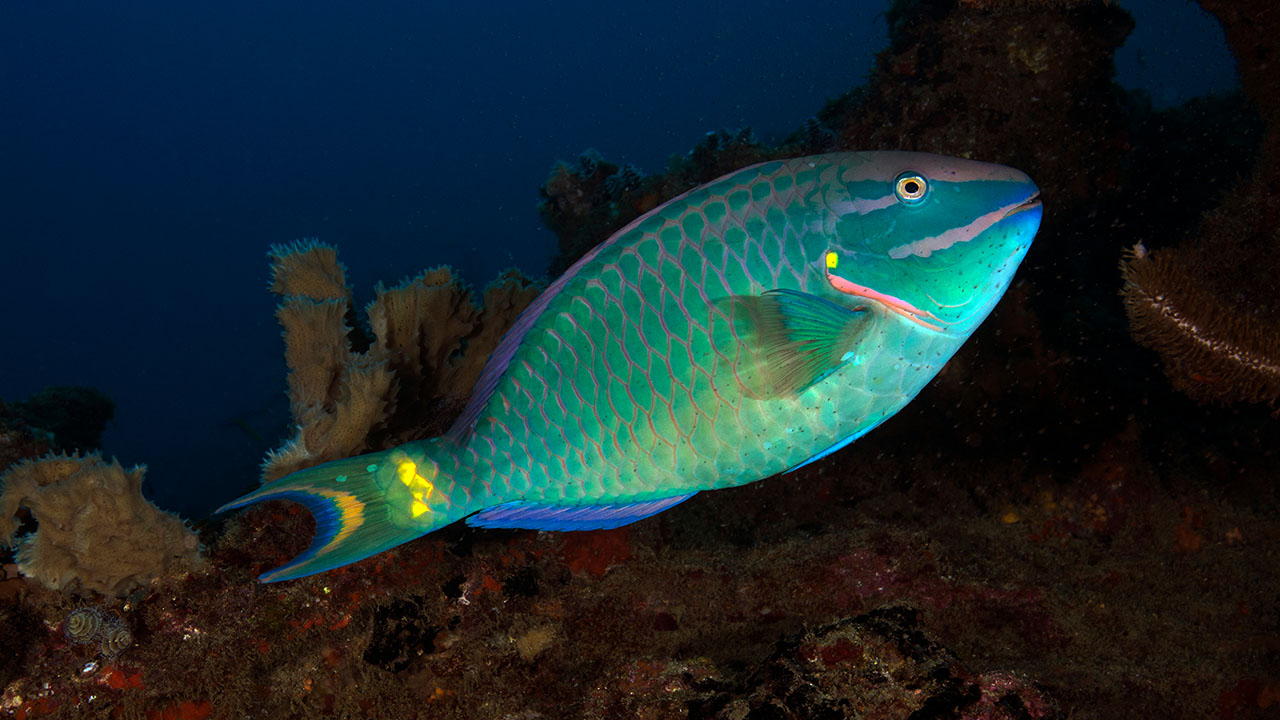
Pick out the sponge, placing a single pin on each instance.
(96, 531)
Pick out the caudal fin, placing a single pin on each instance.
(363, 505)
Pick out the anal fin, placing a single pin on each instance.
(546, 516)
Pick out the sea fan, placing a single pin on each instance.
(1213, 352)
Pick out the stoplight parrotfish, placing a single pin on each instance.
(741, 330)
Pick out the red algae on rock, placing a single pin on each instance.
(593, 553)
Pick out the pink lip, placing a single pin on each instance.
(898, 305)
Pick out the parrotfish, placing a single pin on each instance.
(744, 329)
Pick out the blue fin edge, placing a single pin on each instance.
(546, 516)
(350, 511)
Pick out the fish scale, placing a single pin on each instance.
(734, 231)
(744, 329)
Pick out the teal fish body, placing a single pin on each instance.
(743, 329)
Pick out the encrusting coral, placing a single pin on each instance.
(426, 339)
(96, 531)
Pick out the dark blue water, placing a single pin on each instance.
(151, 152)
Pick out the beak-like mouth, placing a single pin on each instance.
(1029, 204)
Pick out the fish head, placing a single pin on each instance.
(934, 239)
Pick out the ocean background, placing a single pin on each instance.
(151, 153)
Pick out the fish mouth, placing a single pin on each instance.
(1030, 203)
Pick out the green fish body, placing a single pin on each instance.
(744, 329)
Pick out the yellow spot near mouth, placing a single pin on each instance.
(832, 259)
(419, 487)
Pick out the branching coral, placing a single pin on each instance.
(96, 530)
(429, 342)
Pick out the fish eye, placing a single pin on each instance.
(910, 187)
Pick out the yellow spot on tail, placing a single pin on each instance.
(832, 259)
(407, 471)
(419, 487)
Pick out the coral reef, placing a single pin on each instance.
(75, 415)
(584, 201)
(1048, 528)
(90, 625)
(19, 628)
(951, 592)
(425, 345)
(1251, 30)
(883, 664)
(1207, 306)
(932, 91)
(96, 530)
(579, 205)
(1055, 114)
(19, 441)
(990, 4)
(59, 417)
(1214, 350)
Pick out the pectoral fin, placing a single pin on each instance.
(798, 338)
